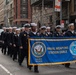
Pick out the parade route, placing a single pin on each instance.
(10, 67)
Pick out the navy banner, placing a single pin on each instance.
(52, 51)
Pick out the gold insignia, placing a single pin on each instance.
(24, 34)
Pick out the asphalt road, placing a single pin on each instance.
(10, 67)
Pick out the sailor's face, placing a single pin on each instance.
(10, 30)
(48, 30)
(58, 29)
(72, 27)
(34, 28)
(18, 31)
(26, 28)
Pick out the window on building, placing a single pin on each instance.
(16, 9)
(10, 10)
(7, 1)
(75, 5)
(24, 8)
(23, 1)
(24, 16)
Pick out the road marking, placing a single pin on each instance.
(8, 72)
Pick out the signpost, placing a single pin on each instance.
(57, 5)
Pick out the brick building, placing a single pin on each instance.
(22, 12)
(73, 11)
(17, 12)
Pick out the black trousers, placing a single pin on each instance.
(10, 50)
(35, 67)
(15, 52)
(22, 54)
(67, 65)
(4, 48)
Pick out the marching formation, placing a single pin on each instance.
(15, 40)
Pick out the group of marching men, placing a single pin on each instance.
(15, 40)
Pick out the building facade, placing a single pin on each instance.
(42, 14)
(17, 12)
(1, 13)
(22, 12)
(73, 11)
(46, 12)
(8, 12)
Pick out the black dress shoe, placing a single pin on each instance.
(30, 68)
(20, 64)
(36, 71)
(11, 56)
(67, 65)
(4, 53)
(13, 59)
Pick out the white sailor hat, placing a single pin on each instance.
(48, 28)
(14, 27)
(4, 27)
(71, 24)
(18, 29)
(58, 26)
(10, 27)
(27, 25)
(43, 27)
(7, 27)
(33, 24)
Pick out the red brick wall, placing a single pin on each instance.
(29, 10)
(19, 19)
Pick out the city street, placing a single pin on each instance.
(42, 30)
(10, 67)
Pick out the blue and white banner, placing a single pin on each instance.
(52, 51)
